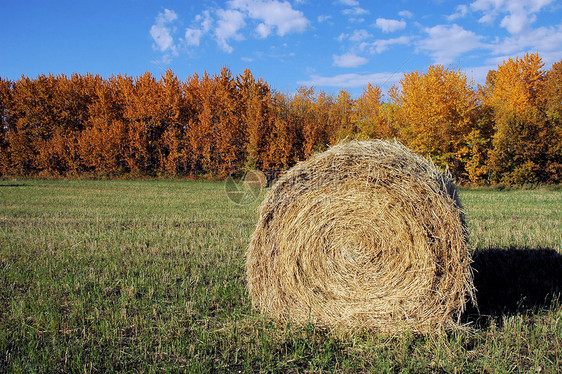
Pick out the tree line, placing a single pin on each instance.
(508, 130)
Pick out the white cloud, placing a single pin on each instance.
(354, 12)
(488, 6)
(516, 22)
(272, 14)
(357, 36)
(206, 20)
(381, 45)
(446, 43)
(349, 2)
(323, 18)
(357, 11)
(166, 17)
(518, 15)
(161, 33)
(194, 34)
(406, 14)
(389, 25)
(229, 23)
(461, 12)
(266, 16)
(349, 60)
(162, 38)
(353, 80)
(547, 41)
(363, 42)
(263, 30)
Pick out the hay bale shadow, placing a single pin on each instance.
(514, 281)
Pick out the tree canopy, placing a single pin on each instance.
(506, 131)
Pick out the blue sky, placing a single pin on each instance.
(326, 44)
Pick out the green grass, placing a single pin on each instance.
(148, 276)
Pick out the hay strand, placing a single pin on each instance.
(367, 235)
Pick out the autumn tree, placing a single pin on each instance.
(436, 114)
(142, 112)
(202, 135)
(301, 108)
(49, 114)
(509, 130)
(479, 140)
(523, 135)
(175, 156)
(256, 111)
(340, 124)
(326, 123)
(552, 100)
(214, 134)
(369, 119)
(5, 124)
(285, 144)
(33, 123)
(70, 102)
(103, 140)
(229, 138)
(208, 133)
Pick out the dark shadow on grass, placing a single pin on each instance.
(514, 281)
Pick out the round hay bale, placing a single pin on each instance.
(367, 235)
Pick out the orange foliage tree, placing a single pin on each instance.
(256, 111)
(101, 143)
(509, 130)
(175, 156)
(33, 125)
(284, 147)
(5, 123)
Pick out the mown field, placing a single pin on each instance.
(148, 276)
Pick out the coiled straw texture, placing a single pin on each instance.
(367, 235)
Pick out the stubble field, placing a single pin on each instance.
(148, 276)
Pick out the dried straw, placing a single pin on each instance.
(367, 235)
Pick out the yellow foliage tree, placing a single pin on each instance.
(552, 99)
(522, 132)
(370, 115)
(435, 114)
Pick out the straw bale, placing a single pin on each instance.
(367, 235)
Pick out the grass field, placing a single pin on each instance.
(148, 276)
